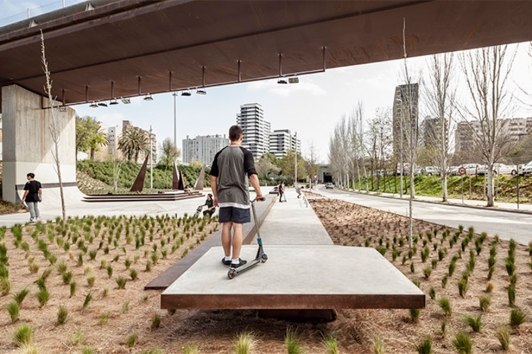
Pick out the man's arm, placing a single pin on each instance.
(25, 195)
(40, 195)
(214, 184)
(254, 179)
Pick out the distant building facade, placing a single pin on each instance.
(431, 133)
(114, 134)
(256, 129)
(203, 148)
(405, 117)
(467, 132)
(281, 141)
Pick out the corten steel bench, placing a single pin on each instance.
(99, 198)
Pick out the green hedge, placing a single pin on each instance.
(162, 177)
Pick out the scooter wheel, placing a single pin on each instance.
(264, 258)
(231, 273)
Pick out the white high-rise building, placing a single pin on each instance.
(203, 148)
(281, 141)
(113, 136)
(256, 129)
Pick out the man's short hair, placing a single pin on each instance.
(32, 175)
(235, 132)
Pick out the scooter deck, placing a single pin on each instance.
(261, 258)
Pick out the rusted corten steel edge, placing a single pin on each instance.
(142, 46)
(175, 271)
(289, 302)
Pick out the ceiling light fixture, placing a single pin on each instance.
(113, 102)
(201, 92)
(102, 104)
(148, 97)
(282, 81)
(93, 105)
(293, 80)
(186, 93)
(125, 100)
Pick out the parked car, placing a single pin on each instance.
(471, 168)
(431, 171)
(527, 169)
(498, 169)
(329, 185)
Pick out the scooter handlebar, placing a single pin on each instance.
(259, 199)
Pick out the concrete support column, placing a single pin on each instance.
(27, 143)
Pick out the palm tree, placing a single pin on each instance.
(132, 142)
(94, 142)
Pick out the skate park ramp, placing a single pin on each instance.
(304, 271)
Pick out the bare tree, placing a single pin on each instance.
(378, 143)
(55, 133)
(311, 162)
(440, 95)
(358, 146)
(487, 71)
(337, 152)
(409, 94)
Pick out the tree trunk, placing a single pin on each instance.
(490, 188)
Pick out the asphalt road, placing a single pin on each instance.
(506, 224)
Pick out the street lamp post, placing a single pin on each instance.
(295, 160)
(175, 121)
(151, 162)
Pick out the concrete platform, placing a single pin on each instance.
(295, 277)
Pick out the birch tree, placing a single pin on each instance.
(358, 146)
(55, 132)
(487, 71)
(408, 116)
(440, 96)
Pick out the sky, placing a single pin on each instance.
(311, 108)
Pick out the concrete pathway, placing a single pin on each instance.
(293, 222)
(50, 208)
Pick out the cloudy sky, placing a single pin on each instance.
(311, 108)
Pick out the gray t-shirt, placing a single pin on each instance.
(232, 166)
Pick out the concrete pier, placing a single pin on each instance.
(27, 144)
(304, 271)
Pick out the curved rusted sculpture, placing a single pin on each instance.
(138, 185)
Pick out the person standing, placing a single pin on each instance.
(281, 192)
(231, 168)
(32, 196)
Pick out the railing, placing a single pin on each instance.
(37, 10)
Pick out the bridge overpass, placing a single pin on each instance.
(114, 49)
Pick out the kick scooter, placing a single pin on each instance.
(261, 256)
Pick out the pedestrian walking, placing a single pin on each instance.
(32, 197)
(231, 168)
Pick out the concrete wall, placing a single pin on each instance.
(27, 143)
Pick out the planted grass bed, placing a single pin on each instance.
(96, 316)
(56, 283)
(478, 287)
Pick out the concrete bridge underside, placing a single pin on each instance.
(134, 47)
